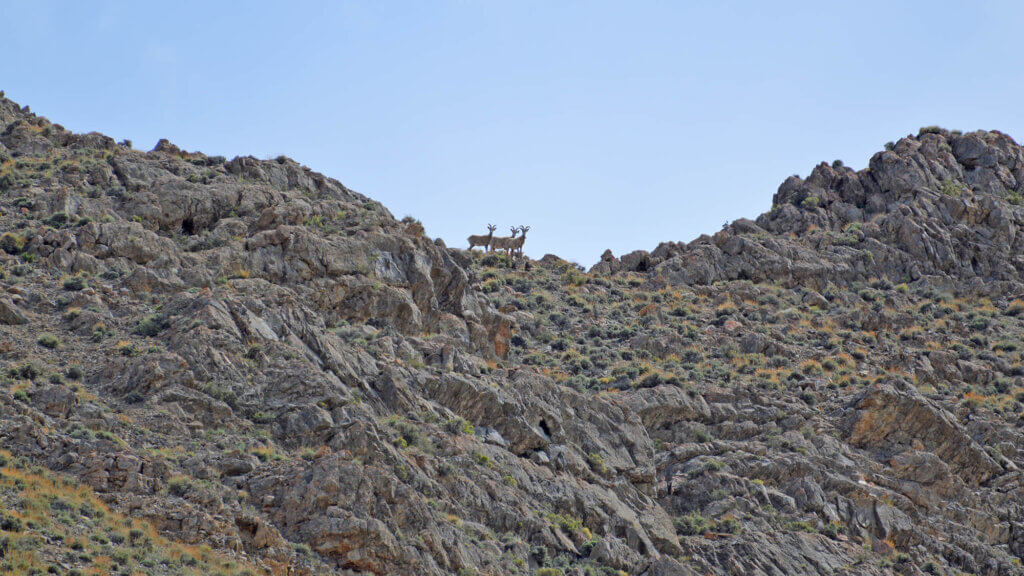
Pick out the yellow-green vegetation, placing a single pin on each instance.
(50, 525)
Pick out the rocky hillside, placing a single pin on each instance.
(242, 367)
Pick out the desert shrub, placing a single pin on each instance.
(47, 340)
(220, 391)
(10, 523)
(693, 524)
(728, 525)
(28, 371)
(952, 188)
(491, 285)
(57, 219)
(832, 530)
(266, 454)
(408, 433)
(11, 243)
(567, 524)
(74, 283)
(263, 417)
(459, 425)
(151, 325)
(800, 526)
(496, 260)
(179, 485)
(1015, 308)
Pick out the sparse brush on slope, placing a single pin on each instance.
(280, 376)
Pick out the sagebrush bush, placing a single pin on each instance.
(152, 325)
(48, 340)
(74, 283)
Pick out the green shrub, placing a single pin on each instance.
(728, 525)
(152, 325)
(74, 283)
(459, 425)
(10, 523)
(28, 371)
(408, 433)
(26, 203)
(832, 530)
(263, 417)
(952, 188)
(57, 219)
(47, 340)
(11, 243)
(496, 260)
(800, 526)
(109, 436)
(482, 459)
(714, 465)
(693, 524)
(179, 485)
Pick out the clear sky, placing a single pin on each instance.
(600, 124)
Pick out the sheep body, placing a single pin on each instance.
(481, 240)
(504, 242)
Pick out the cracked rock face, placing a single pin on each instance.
(248, 355)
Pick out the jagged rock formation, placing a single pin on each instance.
(940, 204)
(249, 355)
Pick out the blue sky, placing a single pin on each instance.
(600, 124)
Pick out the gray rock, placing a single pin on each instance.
(10, 314)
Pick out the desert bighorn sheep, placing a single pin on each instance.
(504, 242)
(481, 240)
(516, 244)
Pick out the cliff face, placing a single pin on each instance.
(248, 355)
